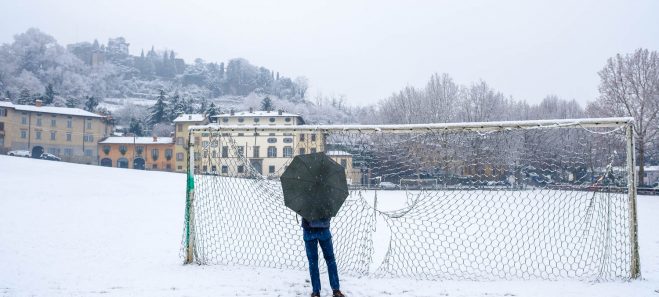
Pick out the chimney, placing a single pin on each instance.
(280, 112)
(251, 109)
(232, 112)
(189, 117)
(155, 138)
(38, 103)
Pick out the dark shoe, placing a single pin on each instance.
(315, 294)
(337, 293)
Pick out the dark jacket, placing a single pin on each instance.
(314, 225)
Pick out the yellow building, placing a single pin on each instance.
(146, 153)
(267, 154)
(181, 138)
(353, 176)
(69, 133)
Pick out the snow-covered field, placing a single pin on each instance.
(76, 230)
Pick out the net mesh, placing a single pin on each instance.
(513, 203)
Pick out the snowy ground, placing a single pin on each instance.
(76, 230)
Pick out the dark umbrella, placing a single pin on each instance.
(314, 186)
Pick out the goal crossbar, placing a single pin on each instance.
(405, 128)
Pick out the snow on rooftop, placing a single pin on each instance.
(51, 109)
(257, 113)
(338, 153)
(137, 140)
(195, 117)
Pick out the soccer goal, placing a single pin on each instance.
(545, 199)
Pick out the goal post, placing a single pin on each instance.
(542, 199)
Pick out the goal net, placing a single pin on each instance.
(550, 199)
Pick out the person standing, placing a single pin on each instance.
(317, 232)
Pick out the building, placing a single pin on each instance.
(70, 133)
(146, 153)
(182, 137)
(353, 176)
(267, 154)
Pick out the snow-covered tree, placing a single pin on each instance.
(266, 104)
(91, 103)
(158, 110)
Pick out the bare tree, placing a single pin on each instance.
(629, 86)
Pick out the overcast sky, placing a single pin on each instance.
(367, 50)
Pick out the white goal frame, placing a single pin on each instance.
(625, 123)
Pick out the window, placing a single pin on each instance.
(302, 151)
(24, 120)
(240, 120)
(241, 168)
(39, 122)
(154, 166)
(123, 149)
(313, 137)
(179, 140)
(287, 120)
(52, 135)
(89, 123)
(272, 152)
(88, 138)
(179, 127)
(38, 135)
(68, 152)
(240, 151)
(155, 153)
(53, 123)
(256, 152)
(256, 120)
(168, 154)
(224, 120)
(225, 152)
(214, 154)
(302, 137)
(344, 163)
(205, 153)
(2, 126)
(69, 123)
(288, 140)
(272, 140)
(241, 134)
(204, 168)
(272, 120)
(313, 150)
(197, 156)
(139, 149)
(271, 169)
(24, 134)
(205, 143)
(106, 149)
(214, 169)
(180, 167)
(288, 151)
(179, 156)
(3, 112)
(225, 169)
(88, 153)
(68, 136)
(54, 151)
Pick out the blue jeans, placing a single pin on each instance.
(311, 241)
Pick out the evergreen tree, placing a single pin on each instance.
(266, 104)
(212, 110)
(91, 103)
(203, 106)
(71, 102)
(24, 98)
(135, 127)
(176, 107)
(49, 95)
(158, 110)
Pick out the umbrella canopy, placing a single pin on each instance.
(314, 186)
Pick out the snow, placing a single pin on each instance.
(338, 153)
(257, 113)
(137, 140)
(51, 109)
(190, 118)
(79, 230)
